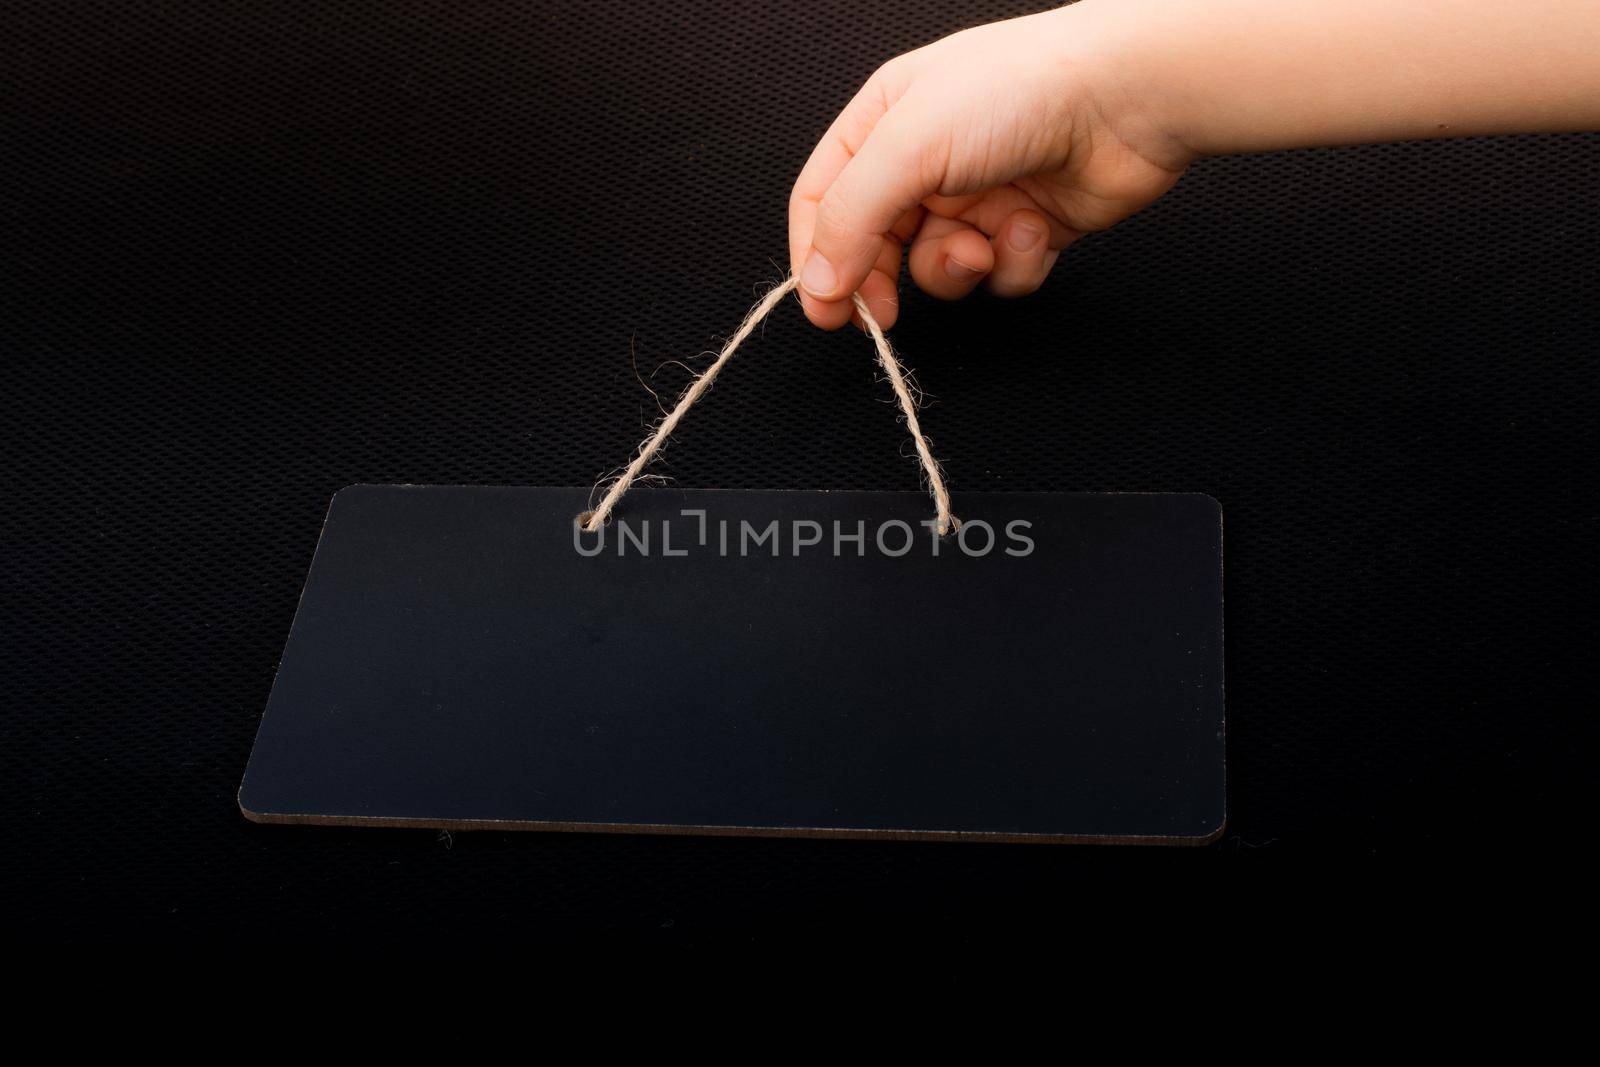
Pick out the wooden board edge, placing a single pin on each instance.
(690, 830)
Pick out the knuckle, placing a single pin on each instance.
(834, 217)
(1012, 288)
(889, 72)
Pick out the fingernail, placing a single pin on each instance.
(819, 278)
(959, 271)
(1025, 236)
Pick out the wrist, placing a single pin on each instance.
(1116, 51)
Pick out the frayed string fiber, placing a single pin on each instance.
(944, 522)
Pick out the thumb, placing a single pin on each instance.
(893, 172)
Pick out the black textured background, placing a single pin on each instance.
(254, 252)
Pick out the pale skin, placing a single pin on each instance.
(985, 154)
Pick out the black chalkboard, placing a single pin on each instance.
(811, 663)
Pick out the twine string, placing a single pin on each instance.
(943, 521)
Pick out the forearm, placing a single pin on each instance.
(1218, 76)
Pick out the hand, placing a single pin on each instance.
(992, 150)
(989, 152)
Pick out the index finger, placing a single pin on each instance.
(843, 139)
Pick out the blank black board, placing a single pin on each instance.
(460, 659)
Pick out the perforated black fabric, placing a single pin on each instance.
(256, 252)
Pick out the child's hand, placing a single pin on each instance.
(989, 152)
(992, 150)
